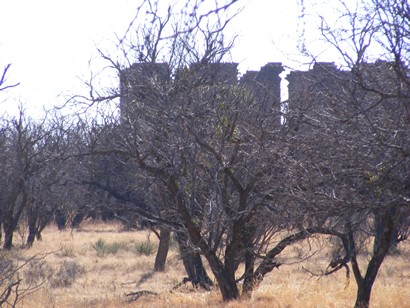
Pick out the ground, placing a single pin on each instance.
(97, 265)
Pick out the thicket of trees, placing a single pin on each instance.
(190, 152)
(362, 123)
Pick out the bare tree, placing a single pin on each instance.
(48, 187)
(352, 125)
(214, 148)
(29, 169)
(219, 157)
(16, 161)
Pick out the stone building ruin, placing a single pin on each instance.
(307, 90)
(265, 85)
(135, 81)
(340, 91)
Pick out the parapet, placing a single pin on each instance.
(215, 73)
(147, 71)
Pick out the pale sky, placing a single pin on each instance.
(50, 42)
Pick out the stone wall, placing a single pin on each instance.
(324, 82)
(265, 85)
(136, 80)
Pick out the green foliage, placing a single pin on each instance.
(100, 247)
(145, 248)
(67, 251)
(116, 246)
(103, 248)
(371, 178)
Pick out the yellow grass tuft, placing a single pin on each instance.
(102, 280)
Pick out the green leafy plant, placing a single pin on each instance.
(103, 248)
(67, 251)
(145, 248)
(100, 247)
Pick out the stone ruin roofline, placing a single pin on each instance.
(330, 67)
(265, 84)
(230, 69)
(273, 67)
(266, 79)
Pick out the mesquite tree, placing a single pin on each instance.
(212, 146)
(30, 169)
(353, 125)
(18, 167)
(48, 188)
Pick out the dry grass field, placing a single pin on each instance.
(98, 264)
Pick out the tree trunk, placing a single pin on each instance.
(380, 250)
(1, 225)
(38, 235)
(229, 290)
(248, 237)
(42, 225)
(10, 220)
(192, 260)
(254, 277)
(225, 272)
(163, 248)
(61, 219)
(193, 264)
(32, 228)
(8, 236)
(379, 229)
(225, 278)
(31, 236)
(363, 296)
(249, 271)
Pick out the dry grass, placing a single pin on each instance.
(83, 277)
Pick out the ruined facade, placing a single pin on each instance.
(142, 81)
(307, 90)
(136, 83)
(313, 90)
(265, 85)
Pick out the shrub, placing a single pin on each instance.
(100, 247)
(66, 275)
(145, 248)
(67, 251)
(116, 246)
(103, 248)
(5, 262)
(37, 272)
